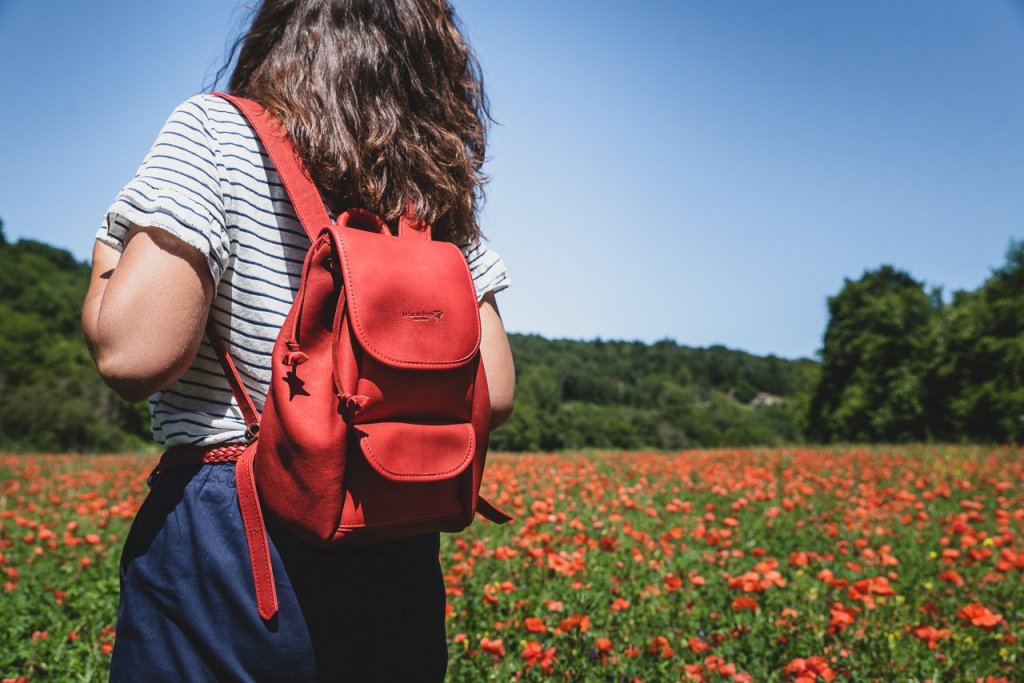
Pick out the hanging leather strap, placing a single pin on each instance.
(256, 535)
(491, 511)
(245, 483)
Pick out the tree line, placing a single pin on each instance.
(897, 364)
(616, 394)
(51, 398)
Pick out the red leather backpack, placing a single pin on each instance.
(377, 418)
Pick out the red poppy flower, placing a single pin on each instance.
(931, 635)
(951, 576)
(979, 615)
(494, 647)
(744, 602)
(535, 654)
(659, 646)
(534, 625)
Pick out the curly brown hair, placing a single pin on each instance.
(384, 100)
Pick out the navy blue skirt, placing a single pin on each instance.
(188, 607)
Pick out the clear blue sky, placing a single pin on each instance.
(706, 171)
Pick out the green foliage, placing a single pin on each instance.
(875, 356)
(613, 394)
(979, 379)
(898, 365)
(51, 398)
(570, 394)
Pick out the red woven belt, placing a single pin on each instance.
(198, 455)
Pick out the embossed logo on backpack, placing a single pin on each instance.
(423, 316)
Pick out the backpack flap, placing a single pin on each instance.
(411, 303)
(416, 452)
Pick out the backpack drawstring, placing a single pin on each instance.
(295, 357)
(352, 403)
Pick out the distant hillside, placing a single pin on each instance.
(51, 398)
(615, 394)
(570, 394)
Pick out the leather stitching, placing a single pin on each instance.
(256, 537)
(365, 441)
(364, 337)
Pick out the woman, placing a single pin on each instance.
(384, 102)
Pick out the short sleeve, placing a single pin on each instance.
(177, 188)
(486, 267)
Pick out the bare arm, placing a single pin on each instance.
(145, 311)
(497, 358)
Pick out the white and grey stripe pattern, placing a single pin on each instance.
(208, 181)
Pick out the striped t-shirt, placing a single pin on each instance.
(208, 181)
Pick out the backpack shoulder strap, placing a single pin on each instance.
(309, 208)
(302, 192)
(245, 404)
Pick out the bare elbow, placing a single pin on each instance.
(135, 374)
(501, 385)
(498, 363)
(115, 370)
(138, 366)
(129, 382)
(501, 411)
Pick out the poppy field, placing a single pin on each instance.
(796, 565)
